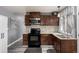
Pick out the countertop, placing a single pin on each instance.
(63, 37)
(60, 36)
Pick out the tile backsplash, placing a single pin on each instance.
(44, 29)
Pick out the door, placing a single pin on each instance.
(3, 33)
(0, 34)
(78, 29)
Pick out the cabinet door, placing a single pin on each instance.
(58, 47)
(48, 20)
(49, 39)
(68, 46)
(54, 21)
(54, 39)
(3, 33)
(25, 39)
(56, 43)
(44, 40)
(27, 20)
(43, 20)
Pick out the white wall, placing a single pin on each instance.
(16, 38)
(16, 27)
(44, 29)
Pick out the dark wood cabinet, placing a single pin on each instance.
(68, 46)
(35, 14)
(43, 20)
(54, 20)
(27, 20)
(65, 46)
(25, 39)
(31, 15)
(50, 41)
(57, 45)
(49, 20)
(60, 45)
(46, 39)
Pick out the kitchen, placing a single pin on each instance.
(49, 28)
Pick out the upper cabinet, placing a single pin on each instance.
(35, 14)
(43, 19)
(27, 20)
(46, 20)
(54, 20)
(49, 20)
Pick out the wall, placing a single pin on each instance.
(15, 28)
(15, 25)
(44, 29)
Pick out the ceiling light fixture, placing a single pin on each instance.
(58, 11)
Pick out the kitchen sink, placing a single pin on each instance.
(62, 36)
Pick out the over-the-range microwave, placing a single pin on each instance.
(34, 21)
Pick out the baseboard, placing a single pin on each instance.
(14, 42)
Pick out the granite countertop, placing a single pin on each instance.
(63, 37)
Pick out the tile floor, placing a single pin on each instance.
(23, 48)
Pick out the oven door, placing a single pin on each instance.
(34, 41)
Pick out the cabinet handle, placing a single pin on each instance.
(2, 35)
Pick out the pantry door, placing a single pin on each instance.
(3, 33)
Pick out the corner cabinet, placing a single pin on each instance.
(68, 46)
(65, 45)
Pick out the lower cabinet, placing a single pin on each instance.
(65, 46)
(60, 45)
(25, 39)
(68, 46)
(46, 39)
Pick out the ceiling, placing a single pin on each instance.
(24, 9)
